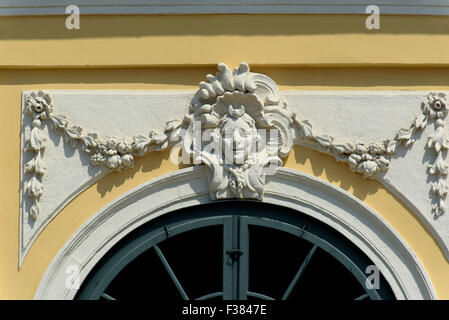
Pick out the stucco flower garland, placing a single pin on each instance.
(39, 107)
(118, 153)
(115, 153)
(437, 109)
(375, 157)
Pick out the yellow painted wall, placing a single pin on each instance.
(37, 53)
(207, 39)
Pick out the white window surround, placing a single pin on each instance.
(57, 7)
(289, 188)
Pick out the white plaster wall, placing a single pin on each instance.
(348, 116)
(356, 116)
(110, 113)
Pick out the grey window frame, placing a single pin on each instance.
(234, 216)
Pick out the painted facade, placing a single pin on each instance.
(89, 119)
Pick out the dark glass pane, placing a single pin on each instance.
(218, 298)
(326, 278)
(274, 258)
(144, 278)
(196, 258)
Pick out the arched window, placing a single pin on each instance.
(243, 250)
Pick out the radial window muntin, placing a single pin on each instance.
(236, 219)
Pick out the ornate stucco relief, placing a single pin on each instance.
(231, 100)
(237, 100)
(370, 159)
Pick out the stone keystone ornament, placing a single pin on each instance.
(240, 128)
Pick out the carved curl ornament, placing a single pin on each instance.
(239, 126)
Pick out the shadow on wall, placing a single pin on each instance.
(309, 78)
(146, 164)
(326, 167)
(301, 158)
(322, 166)
(53, 27)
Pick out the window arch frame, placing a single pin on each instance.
(248, 212)
(289, 188)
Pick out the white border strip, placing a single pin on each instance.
(111, 7)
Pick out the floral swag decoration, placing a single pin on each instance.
(238, 100)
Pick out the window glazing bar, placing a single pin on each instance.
(171, 273)
(298, 274)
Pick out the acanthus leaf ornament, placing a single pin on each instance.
(237, 110)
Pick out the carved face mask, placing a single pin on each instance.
(238, 137)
